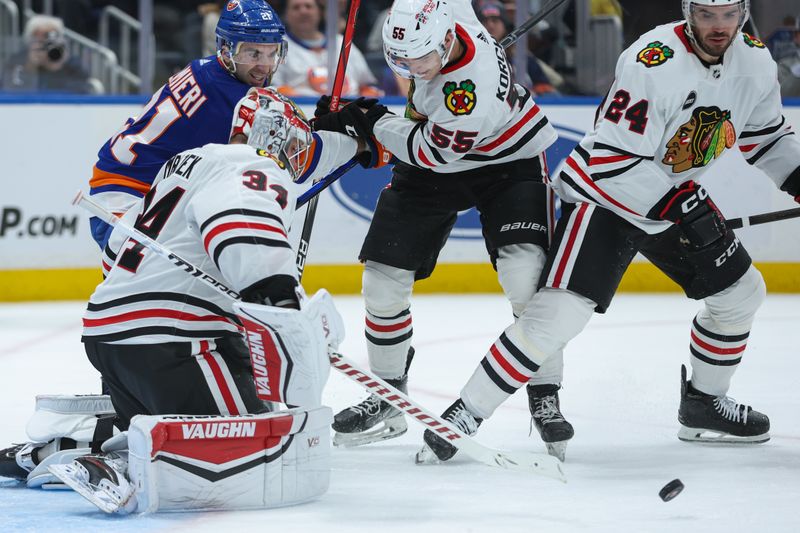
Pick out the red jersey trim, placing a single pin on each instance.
(469, 53)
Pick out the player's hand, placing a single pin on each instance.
(355, 119)
(689, 206)
(375, 155)
(324, 104)
(792, 185)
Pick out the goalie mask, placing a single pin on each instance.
(274, 124)
(703, 15)
(414, 37)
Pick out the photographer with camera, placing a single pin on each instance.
(45, 63)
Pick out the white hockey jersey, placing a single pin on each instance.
(305, 72)
(225, 209)
(471, 114)
(668, 117)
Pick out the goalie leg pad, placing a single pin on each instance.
(289, 348)
(183, 463)
(62, 428)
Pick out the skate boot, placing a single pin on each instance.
(707, 418)
(437, 449)
(372, 420)
(546, 416)
(101, 479)
(10, 467)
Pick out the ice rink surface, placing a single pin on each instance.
(621, 393)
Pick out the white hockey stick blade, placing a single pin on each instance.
(537, 463)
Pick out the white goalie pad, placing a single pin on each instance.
(289, 348)
(67, 416)
(183, 463)
(59, 417)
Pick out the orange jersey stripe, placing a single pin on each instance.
(101, 178)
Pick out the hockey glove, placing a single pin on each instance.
(324, 104)
(376, 155)
(698, 218)
(355, 119)
(792, 185)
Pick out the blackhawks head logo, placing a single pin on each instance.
(701, 140)
(460, 99)
(751, 41)
(656, 53)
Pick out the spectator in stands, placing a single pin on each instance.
(306, 69)
(45, 63)
(789, 68)
(493, 16)
(781, 41)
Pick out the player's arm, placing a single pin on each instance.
(327, 152)
(769, 143)
(428, 144)
(619, 169)
(244, 224)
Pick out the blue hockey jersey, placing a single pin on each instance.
(192, 109)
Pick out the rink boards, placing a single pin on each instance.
(46, 251)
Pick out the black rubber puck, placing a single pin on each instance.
(670, 490)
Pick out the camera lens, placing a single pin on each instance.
(55, 51)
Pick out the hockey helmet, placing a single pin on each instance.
(688, 11)
(415, 28)
(275, 125)
(250, 21)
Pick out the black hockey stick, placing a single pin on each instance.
(535, 463)
(535, 19)
(336, 93)
(764, 218)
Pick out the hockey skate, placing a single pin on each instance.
(370, 421)
(707, 418)
(101, 479)
(436, 449)
(10, 467)
(550, 423)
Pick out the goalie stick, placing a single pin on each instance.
(541, 464)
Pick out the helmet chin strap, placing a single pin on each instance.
(446, 56)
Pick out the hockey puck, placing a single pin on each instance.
(670, 490)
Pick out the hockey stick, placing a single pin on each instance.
(325, 182)
(507, 41)
(763, 218)
(542, 464)
(535, 19)
(545, 465)
(336, 93)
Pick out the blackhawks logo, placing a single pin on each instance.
(751, 41)
(700, 140)
(460, 99)
(656, 53)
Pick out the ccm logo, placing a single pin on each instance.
(719, 261)
(523, 225)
